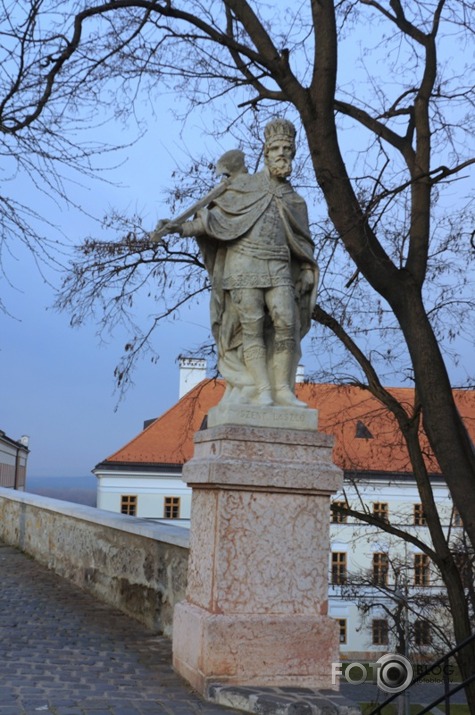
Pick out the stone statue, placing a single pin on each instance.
(256, 245)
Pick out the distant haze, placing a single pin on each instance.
(80, 490)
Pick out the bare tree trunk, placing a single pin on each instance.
(442, 422)
(462, 627)
(454, 451)
(441, 553)
(445, 430)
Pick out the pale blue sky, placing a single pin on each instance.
(57, 384)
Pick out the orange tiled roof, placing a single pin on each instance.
(366, 436)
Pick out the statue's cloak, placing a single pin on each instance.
(230, 217)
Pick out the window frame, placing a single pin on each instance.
(456, 519)
(382, 633)
(338, 518)
(343, 630)
(339, 568)
(171, 503)
(129, 504)
(419, 515)
(422, 633)
(380, 568)
(381, 510)
(421, 570)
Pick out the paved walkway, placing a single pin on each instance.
(63, 652)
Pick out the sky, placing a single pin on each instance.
(56, 383)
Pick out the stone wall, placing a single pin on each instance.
(137, 566)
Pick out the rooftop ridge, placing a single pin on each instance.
(187, 397)
(366, 434)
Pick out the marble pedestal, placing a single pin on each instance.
(255, 612)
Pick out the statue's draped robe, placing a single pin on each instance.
(231, 217)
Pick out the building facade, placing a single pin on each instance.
(13, 461)
(385, 592)
(380, 587)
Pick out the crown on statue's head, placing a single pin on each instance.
(279, 129)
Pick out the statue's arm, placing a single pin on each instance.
(167, 227)
(192, 228)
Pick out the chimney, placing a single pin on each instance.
(300, 374)
(192, 372)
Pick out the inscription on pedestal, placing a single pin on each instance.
(284, 417)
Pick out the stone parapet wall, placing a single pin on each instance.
(137, 566)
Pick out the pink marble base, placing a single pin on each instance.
(259, 650)
(256, 605)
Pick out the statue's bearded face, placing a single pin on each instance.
(278, 157)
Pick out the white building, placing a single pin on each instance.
(395, 580)
(13, 461)
(143, 478)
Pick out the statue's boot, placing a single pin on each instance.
(257, 367)
(264, 398)
(283, 395)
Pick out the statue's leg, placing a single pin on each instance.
(281, 304)
(249, 302)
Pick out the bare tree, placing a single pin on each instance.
(390, 589)
(209, 53)
(408, 110)
(45, 108)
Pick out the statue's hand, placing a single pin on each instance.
(166, 226)
(306, 280)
